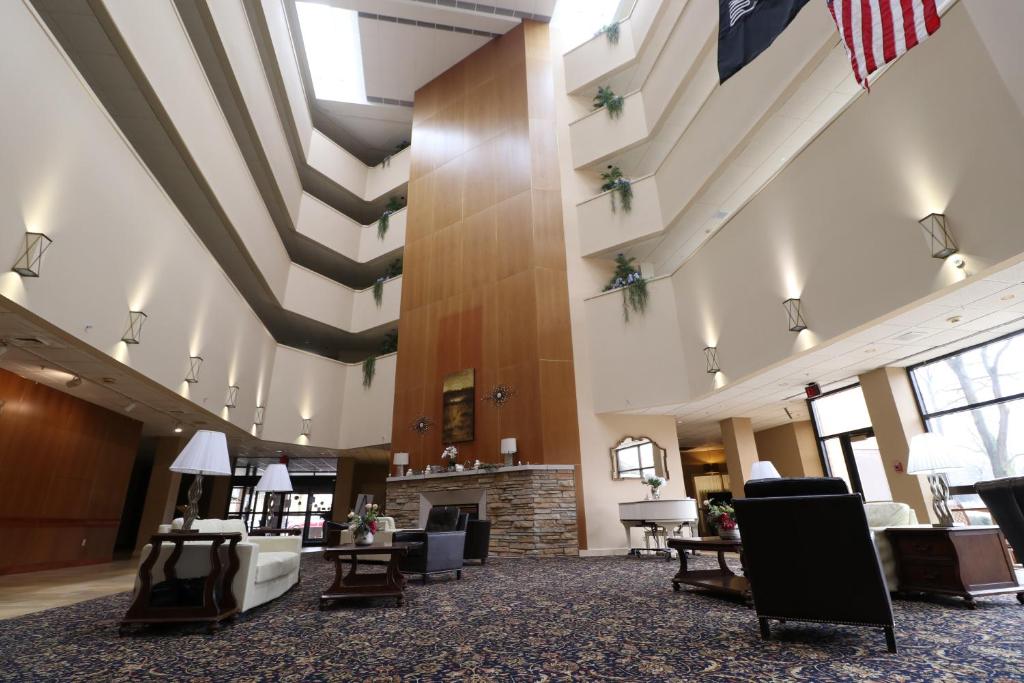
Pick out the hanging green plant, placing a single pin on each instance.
(390, 343)
(632, 283)
(614, 182)
(611, 32)
(384, 222)
(369, 370)
(393, 270)
(607, 98)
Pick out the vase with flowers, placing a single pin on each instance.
(449, 456)
(722, 517)
(655, 483)
(363, 524)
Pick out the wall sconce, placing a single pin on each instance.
(795, 315)
(711, 356)
(31, 260)
(260, 411)
(193, 369)
(133, 335)
(231, 399)
(307, 426)
(936, 232)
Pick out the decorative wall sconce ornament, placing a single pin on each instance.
(500, 395)
(936, 232)
(422, 425)
(711, 356)
(31, 260)
(260, 412)
(133, 334)
(231, 398)
(795, 315)
(194, 362)
(307, 426)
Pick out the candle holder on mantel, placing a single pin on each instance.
(508, 449)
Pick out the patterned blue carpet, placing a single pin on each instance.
(614, 619)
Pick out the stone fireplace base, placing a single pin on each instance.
(532, 508)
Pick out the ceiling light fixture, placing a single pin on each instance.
(130, 407)
(231, 399)
(795, 314)
(936, 231)
(73, 382)
(133, 334)
(194, 363)
(31, 260)
(177, 428)
(711, 357)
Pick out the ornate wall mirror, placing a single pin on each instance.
(636, 457)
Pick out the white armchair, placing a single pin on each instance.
(882, 515)
(268, 565)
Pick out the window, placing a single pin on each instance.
(975, 398)
(847, 442)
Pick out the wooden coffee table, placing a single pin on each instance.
(389, 583)
(722, 580)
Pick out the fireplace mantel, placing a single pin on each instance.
(478, 473)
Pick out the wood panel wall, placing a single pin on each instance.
(64, 470)
(484, 279)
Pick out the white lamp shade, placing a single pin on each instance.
(401, 459)
(275, 478)
(205, 453)
(931, 453)
(764, 469)
(508, 445)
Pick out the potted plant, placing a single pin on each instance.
(394, 204)
(611, 32)
(614, 182)
(607, 98)
(449, 456)
(389, 345)
(632, 283)
(655, 482)
(364, 524)
(722, 518)
(393, 270)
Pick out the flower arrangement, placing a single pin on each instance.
(613, 181)
(655, 482)
(449, 455)
(364, 522)
(632, 283)
(722, 516)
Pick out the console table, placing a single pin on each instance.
(174, 600)
(722, 580)
(964, 561)
(390, 583)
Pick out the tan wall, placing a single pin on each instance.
(791, 448)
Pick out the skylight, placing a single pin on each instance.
(333, 50)
(578, 20)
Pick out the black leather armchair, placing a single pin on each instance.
(443, 541)
(1005, 500)
(808, 554)
(478, 540)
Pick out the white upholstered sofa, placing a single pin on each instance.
(268, 565)
(880, 516)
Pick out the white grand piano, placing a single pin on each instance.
(668, 514)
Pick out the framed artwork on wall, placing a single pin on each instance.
(458, 401)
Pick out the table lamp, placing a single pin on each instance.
(400, 461)
(764, 469)
(933, 454)
(275, 479)
(508, 449)
(205, 453)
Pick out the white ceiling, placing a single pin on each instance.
(976, 311)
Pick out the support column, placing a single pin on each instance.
(220, 496)
(740, 451)
(343, 489)
(162, 491)
(894, 415)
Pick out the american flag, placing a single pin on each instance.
(876, 32)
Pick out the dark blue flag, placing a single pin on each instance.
(747, 27)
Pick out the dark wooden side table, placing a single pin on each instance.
(965, 561)
(390, 583)
(163, 602)
(722, 580)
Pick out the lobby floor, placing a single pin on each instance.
(37, 591)
(566, 619)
